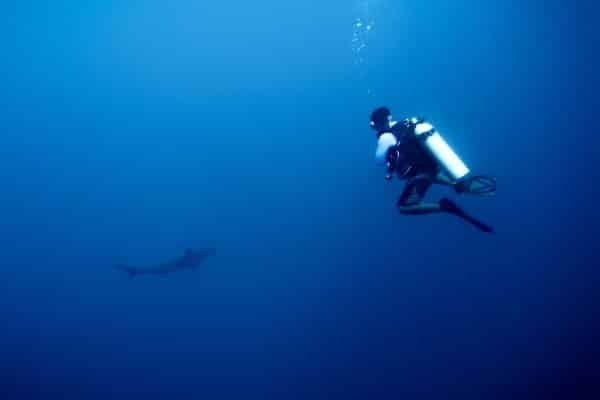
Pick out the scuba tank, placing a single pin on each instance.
(437, 147)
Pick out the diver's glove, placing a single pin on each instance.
(389, 174)
(392, 157)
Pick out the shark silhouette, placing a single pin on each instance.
(191, 259)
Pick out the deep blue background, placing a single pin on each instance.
(131, 130)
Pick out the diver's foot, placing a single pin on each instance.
(461, 187)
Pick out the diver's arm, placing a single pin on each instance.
(384, 144)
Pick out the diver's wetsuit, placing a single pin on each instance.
(400, 148)
(407, 158)
(409, 161)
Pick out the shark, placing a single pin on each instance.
(190, 260)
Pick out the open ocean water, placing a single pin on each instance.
(132, 130)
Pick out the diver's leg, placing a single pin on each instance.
(420, 209)
(481, 185)
(414, 192)
(409, 202)
(442, 179)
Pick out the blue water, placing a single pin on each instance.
(132, 130)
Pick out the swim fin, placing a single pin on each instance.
(450, 207)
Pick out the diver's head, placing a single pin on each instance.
(380, 119)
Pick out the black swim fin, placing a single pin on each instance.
(450, 207)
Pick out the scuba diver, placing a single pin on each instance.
(415, 152)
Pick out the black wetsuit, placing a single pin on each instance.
(413, 160)
(410, 161)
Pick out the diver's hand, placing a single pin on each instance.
(390, 173)
(392, 161)
(392, 157)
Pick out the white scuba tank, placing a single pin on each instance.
(433, 142)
